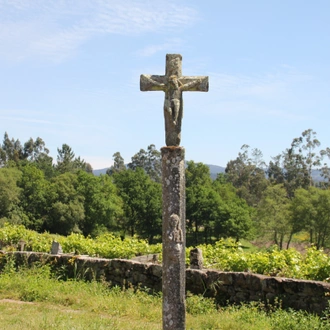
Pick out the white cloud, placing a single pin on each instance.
(267, 86)
(174, 43)
(32, 118)
(26, 120)
(278, 94)
(98, 162)
(54, 29)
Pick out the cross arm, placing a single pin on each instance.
(194, 84)
(152, 83)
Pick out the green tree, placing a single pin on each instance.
(201, 200)
(322, 221)
(142, 203)
(118, 164)
(45, 163)
(214, 208)
(33, 198)
(325, 169)
(234, 215)
(33, 149)
(275, 172)
(65, 159)
(149, 160)
(294, 166)
(102, 204)
(65, 205)
(67, 162)
(311, 211)
(9, 192)
(247, 175)
(10, 151)
(273, 214)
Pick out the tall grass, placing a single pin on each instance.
(35, 299)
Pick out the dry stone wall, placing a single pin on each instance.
(225, 287)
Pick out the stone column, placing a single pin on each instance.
(174, 236)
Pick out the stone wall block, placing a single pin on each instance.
(241, 296)
(247, 281)
(253, 282)
(155, 270)
(255, 296)
(314, 288)
(196, 281)
(272, 285)
(223, 278)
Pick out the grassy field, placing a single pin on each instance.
(35, 299)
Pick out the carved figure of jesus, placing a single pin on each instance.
(173, 84)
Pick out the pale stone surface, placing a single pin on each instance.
(196, 259)
(21, 245)
(174, 210)
(173, 177)
(173, 84)
(56, 248)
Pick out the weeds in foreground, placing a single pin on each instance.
(46, 303)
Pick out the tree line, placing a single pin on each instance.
(250, 199)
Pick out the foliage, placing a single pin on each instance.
(293, 167)
(75, 304)
(247, 175)
(214, 208)
(142, 203)
(66, 197)
(149, 160)
(67, 162)
(118, 164)
(103, 207)
(33, 197)
(273, 214)
(196, 304)
(226, 255)
(11, 235)
(65, 205)
(9, 191)
(229, 256)
(106, 245)
(311, 211)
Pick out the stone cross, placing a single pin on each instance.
(173, 181)
(173, 84)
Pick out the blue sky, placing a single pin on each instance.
(70, 74)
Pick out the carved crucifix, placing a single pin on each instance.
(173, 84)
(173, 182)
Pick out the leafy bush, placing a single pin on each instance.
(106, 245)
(197, 304)
(226, 255)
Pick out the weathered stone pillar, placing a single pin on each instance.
(174, 236)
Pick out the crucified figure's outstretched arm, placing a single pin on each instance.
(189, 85)
(152, 82)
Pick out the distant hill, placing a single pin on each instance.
(214, 170)
(316, 175)
(101, 171)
